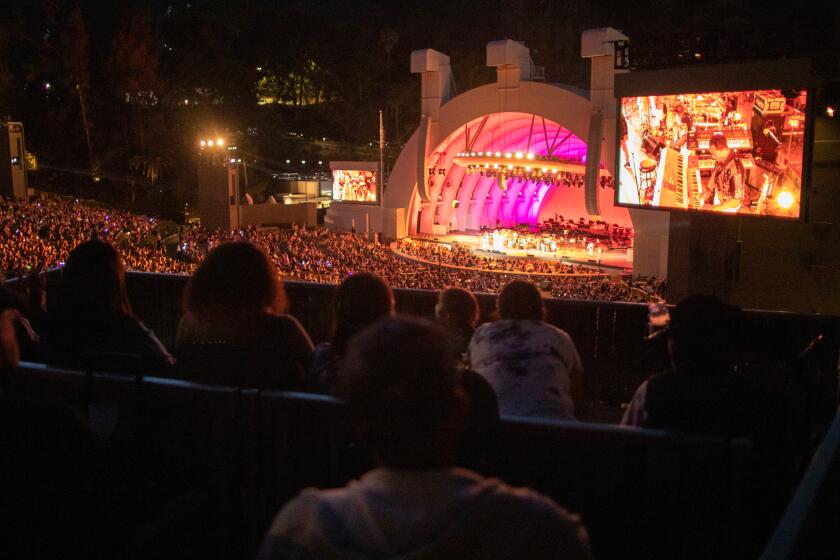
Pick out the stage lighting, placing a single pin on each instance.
(784, 199)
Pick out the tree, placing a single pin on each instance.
(150, 166)
(73, 50)
(133, 66)
(388, 39)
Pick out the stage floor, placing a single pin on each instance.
(615, 262)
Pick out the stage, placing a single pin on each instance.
(615, 262)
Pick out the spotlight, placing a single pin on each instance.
(784, 199)
(220, 142)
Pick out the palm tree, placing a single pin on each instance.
(150, 166)
(388, 38)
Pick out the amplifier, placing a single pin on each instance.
(769, 103)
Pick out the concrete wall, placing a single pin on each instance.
(216, 188)
(13, 166)
(366, 219)
(310, 188)
(275, 214)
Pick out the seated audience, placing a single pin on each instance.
(235, 331)
(28, 339)
(400, 386)
(701, 394)
(39, 233)
(533, 366)
(93, 325)
(457, 310)
(9, 351)
(360, 300)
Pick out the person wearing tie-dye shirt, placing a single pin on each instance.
(533, 366)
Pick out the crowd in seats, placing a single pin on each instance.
(424, 398)
(40, 233)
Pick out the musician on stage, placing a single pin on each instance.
(727, 179)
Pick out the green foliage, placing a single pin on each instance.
(298, 88)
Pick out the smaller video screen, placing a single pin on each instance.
(354, 185)
(731, 152)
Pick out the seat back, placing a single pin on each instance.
(191, 436)
(42, 382)
(301, 440)
(648, 493)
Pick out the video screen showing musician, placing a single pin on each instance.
(725, 188)
(354, 185)
(731, 152)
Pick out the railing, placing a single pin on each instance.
(642, 493)
(809, 526)
(610, 336)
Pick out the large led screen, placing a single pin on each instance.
(735, 152)
(354, 185)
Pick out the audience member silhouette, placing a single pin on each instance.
(9, 350)
(701, 394)
(93, 326)
(235, 331)
(360, 300)
(55, 475)
(478, 445)
(400, 386)
(533, 366)
(457, 310)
